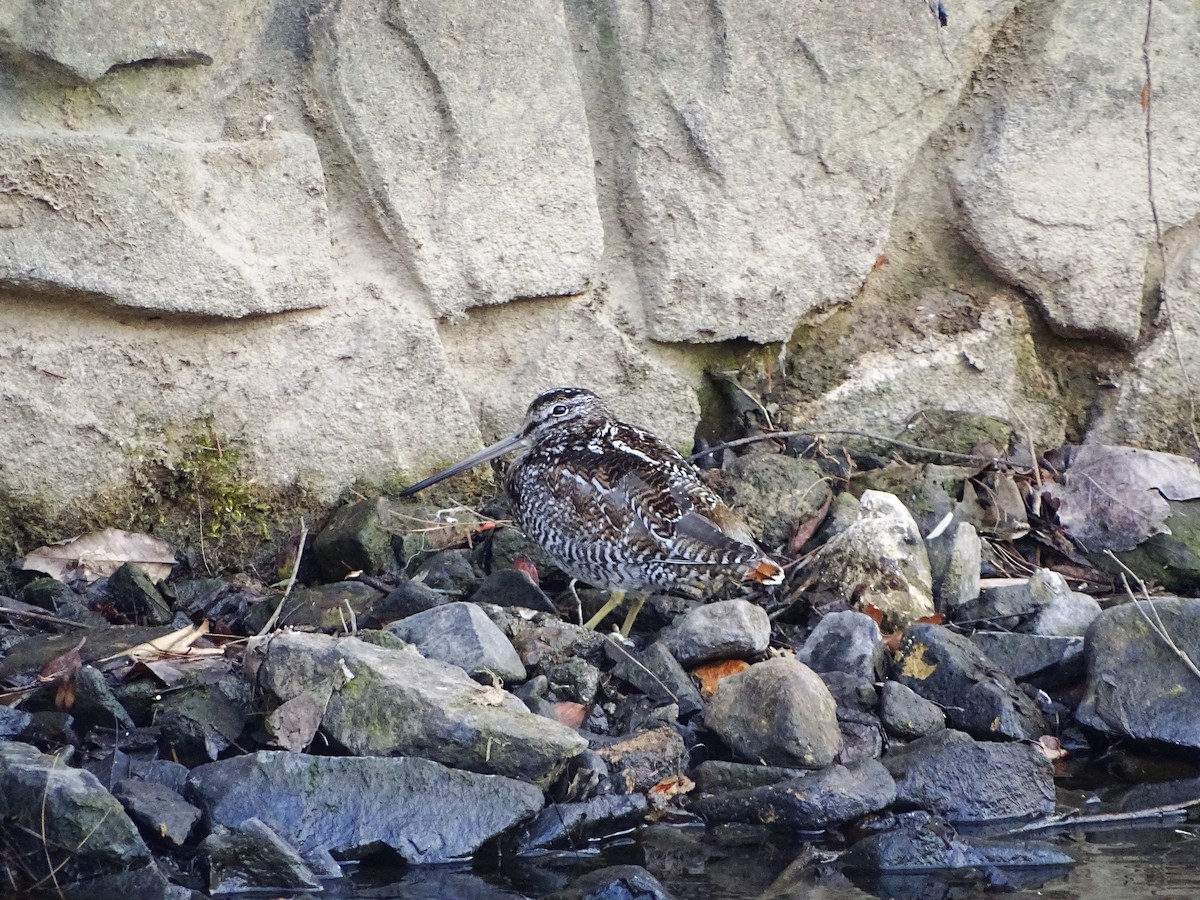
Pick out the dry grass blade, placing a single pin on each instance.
(270, 623)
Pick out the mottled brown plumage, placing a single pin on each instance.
(614, 506)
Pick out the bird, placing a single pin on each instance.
(614, 506)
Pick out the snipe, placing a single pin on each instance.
(614, 506)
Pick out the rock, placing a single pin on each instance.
(1025, 176)
(640, 761)
(575, 680)
(878, 559)
(832, 796)
(13, 721)
(172, 206)
(1066, 615)
(845, 642)
(714, 776)
(777, 712)
(358, 537)
(461, 634)
(137, 598)
(978, 698)
(395, 702)
(776, 493)
(1136, 686)
(354, 805)
(906, 714)
(963, 780)
(252, 857)
(165, 772)
(62, 817)
(727, 628)
(1043, 604)
(923, 846)
(95, 705)
(954, 560)
(542, 640)
(1044, 661)
(200, 722)
(616, 883)
(329, 607)
(411, 597)
(483, 205)
(449, 571)
(572, 826)
(511, 587)
(158, 810)
(658, 675)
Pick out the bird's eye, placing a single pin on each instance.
(559, 410)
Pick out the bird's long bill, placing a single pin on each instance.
(502, 446)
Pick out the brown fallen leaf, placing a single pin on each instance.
(64, 664)
(673, 786)
(569, 714)
(1050, 747)
(99, 554)
(176, 645)
(806, 530)
(709, 674)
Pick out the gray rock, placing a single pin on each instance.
(1136, 686)
(906, 714)
(963, 780)
(461, 634)
(395, 702)
(845, 642)
(476, 153)
(721, 630)
(61, 816)
(1066, 615)
(411, 597)
(172, 207)
(13, 721)
(642, 760)
(616, 883)
(575, 680)
(201, 721)
(136, 596)
(542, 640)
(571, 826)
(95, 704)
(510, 587)
(658, 675)
(978, 698)
(954, 560)
(165, 772)
(778, 712)
(1044, 661)
(830, 797)
(252, 857)
(879, 559)
(158, 810)
(716, 776)
(351, 805)
(775, 493)
(358, 537)
(923, 846)
(330, 607)
(449, 571)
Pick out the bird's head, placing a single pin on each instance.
(559, 407)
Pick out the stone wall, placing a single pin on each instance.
(357, 237)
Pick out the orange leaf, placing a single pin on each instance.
(569, 714)
(874, 612)
(711, 673)
(673, 786)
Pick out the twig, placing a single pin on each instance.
(1148, 105)
(1074, 820)
(270, 623)
(775, 435)
(42, 617)
(1156, 624)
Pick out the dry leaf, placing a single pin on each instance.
(175, 645)
(1050, 747)
(64, 697)
(569, 714)
(711, 673)
(806, 530)
(65, 663)
(99, 554)
(491, 696)
(673, 786)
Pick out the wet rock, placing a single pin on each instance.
(908, 715)
(963, 780)
(135, 595)
(922, 845)
(1044, 661)
(543, 640)
(574, 825)
(862, 736)
(716, 776)
(395, 702)
(575, 680)
(252, 857)
(954, 561)
(775, 493)
(355, 805)
(978, 698)
(449, 571)
(147, 882)
(512, 587)
(198, 723)
(62, 817)
(823, 799)
(411, 597)
(658, 675)
(721, 630)
(461, 634)
(778, 712)
(1136, 686)
(845, 642)
(328, 607)
(616, 883)
(878, 559)
(642, 760)
(358, 537)
(160, 812)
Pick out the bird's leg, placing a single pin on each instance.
(614, 601)
(635, 607)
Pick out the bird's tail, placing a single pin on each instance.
(765, 571)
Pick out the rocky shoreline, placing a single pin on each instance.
(417, 690)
